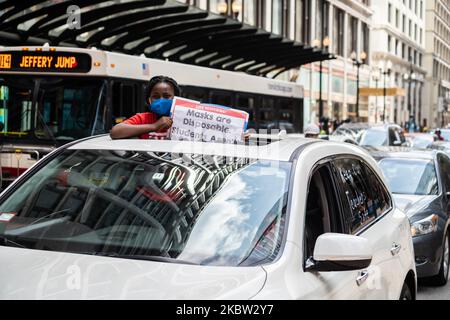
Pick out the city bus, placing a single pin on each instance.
(53, 95)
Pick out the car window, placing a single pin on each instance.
(401, 135)
(410, 176)
(322, 214)
(444, 167)
(362, 195)
(393, 136)
(375, 138)
(207, 210)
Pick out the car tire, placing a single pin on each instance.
(406, 293)
(442, 277)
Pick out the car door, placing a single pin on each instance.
(323, 215)
(368, 212)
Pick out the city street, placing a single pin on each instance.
(427, 292)
(225, 150)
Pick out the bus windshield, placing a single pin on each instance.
(54, 109)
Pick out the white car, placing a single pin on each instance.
(143, 219)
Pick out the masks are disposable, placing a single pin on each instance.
(161, 107)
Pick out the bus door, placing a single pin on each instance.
(128, 98)
(16, 108)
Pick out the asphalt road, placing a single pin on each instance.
(427, 292)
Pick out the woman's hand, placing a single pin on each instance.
(163, 123)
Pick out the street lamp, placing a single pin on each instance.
(386, 68)
(325, 44)
(236, 8)
(376, 77)
(358, 64)
(410, 77)
(224, 6)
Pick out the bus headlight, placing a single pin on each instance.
(424, 226)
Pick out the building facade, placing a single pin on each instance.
(340, 26)
(398, 40)
(332, 85)
(437, 62)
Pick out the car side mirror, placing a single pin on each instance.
(447, 194)
(340, 252)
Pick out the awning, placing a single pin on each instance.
(379, 92)
(163, 29)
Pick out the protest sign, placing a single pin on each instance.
(195, 121)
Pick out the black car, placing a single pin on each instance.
(420, 183)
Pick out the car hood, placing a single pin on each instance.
(36, 274)
(411, 204)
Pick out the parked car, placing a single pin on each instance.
(445, 133)
(137, 219)
(383, 135)
(338, 138)
(441, 145)
(420, 140)
(351, 129)
(420, 182)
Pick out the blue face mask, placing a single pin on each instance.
(161, 107)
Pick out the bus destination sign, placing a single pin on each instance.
(45, 61)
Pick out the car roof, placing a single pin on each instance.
(419, 135)
(383, 126)
(278, 149)
(441, 143)
(401, 152)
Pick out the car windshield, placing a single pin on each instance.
(51, 108)
(446, 134)
(375, 138)
(410, 176)
(206, 210)
(421, 142)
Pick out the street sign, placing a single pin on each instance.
(194, 121)
(45, 61)
(379, 92)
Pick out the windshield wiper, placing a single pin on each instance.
(140, 257)
(7, 242)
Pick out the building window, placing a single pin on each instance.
(322, 11)
(250, 12)
(302, 21)
(421, 9)
(280, 17)
(338, 31)
(390, 13)
(410, 28)
(352, 35)
(404, 24)
(397, 18)
(365, 39)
